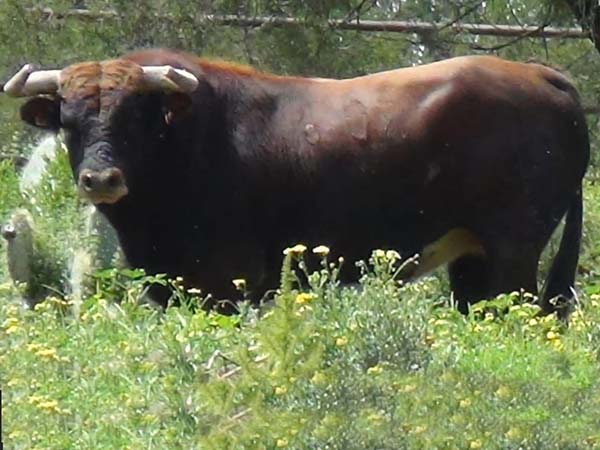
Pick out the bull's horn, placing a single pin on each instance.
(28, 82)
(169, 78)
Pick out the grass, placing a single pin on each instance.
(379, 366)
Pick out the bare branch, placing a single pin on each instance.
(390, 26)
(512, 41)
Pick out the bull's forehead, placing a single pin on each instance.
(101, 84)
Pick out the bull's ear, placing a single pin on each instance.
(177, 106)
(42, 112)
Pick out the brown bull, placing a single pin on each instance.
(208, 170)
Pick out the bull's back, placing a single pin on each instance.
(481, 105)
(425, 147)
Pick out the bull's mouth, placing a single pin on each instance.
(108, 198)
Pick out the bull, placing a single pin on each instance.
(208, 170)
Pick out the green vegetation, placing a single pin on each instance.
(384, 366)
(380, 366)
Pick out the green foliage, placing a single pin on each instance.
(53, 236)
(9, 188)
(375, 366)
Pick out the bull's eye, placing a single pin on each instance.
(104, 155)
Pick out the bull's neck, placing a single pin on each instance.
(248, 95)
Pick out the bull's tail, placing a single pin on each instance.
(558, 292)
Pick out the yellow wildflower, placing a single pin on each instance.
(296, 250)
(10, 322)
(514, 434)
(319, 378)
(550, 318)
(281, 443)
(321, 251)
(504, 392)
(239, 283)
(304, 298)
(392, 255)
(41, 307)
(49, 405)
(57, 301)
(375, 370)
(302, 310)
(475, 444)
(33, 347)
(465, 403)
(341, 341)
(195, 291)
(551, 335)
(48, 353)
(280, 390)
(12, 329)
(35, 399)
(533, 322)
(407, 388)
(379, 254)
(375, 417)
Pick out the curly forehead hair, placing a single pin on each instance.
(100, 83)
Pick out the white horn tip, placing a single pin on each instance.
(31, 81)
(170, 78)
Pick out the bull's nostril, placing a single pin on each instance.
(87, 180)
(114, 179)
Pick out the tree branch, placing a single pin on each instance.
(389, 26)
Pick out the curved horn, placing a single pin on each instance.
(170, 79)
(28, 82)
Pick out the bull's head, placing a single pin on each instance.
(89, 102)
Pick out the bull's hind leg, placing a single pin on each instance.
(469, 280)
(505, 269)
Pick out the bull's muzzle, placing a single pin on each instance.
(107, 186)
